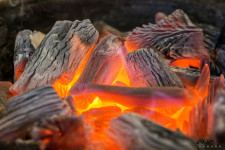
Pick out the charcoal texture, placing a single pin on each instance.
(58, 56)
(146, 68)
(143, 134)
(28, 108)
(175, 36)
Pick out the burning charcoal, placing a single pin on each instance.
(198, 120)
(211, 36)
(153, 97)
(30, 107)
(58, 56)
(4, 95)
(202, 84)
(143, 134)
(218, 114)
(189, 76)
(159, 16)
(146, 68)
(174, 36)
(214, 69)
(103, 65)
(71, 104)
(105, 30)
(59, 133)
(25, 45)
(96, 121)
(152, 115)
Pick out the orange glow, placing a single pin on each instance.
(98, 111)
(63, 89)
(187, 63)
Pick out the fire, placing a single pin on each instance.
(187, 63)
(98, 113)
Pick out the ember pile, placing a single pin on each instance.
(84, 86)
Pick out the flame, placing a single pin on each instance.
(97, 114)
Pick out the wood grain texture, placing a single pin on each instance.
(103, 65)
(189, 76)
(144, 134)
(58, 56)
(25, 45)
(146, 68)
(30, 107)
(4, 95)
(174, 36)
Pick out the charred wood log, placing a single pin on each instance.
(103, 65)
(4, 96)
(153, 97)
(218, 114)
(189, 76)
(58, 56)
(105, 30)
(60, 133)
(25, 45)
(174, 36)
(146, 68)
(30, 107)
(147, 135)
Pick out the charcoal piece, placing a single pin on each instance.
(214, 68)
(25, 45)
(30, 107)
(153, 97)
(4, 95)
(211, 35)
(60, 133)
(198, 120)
(104, 30)
(159, 16)
(174, 36)
(103, 65)
(189, 76)
(203, 82)
(58, 56)
(3, 32)
(143, 134)
(146, 68)
(218, 114)
(70, 101)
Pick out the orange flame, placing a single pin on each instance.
(98, 114)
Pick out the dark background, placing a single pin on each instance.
(122, 14)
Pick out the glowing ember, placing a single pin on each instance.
(103, 86)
